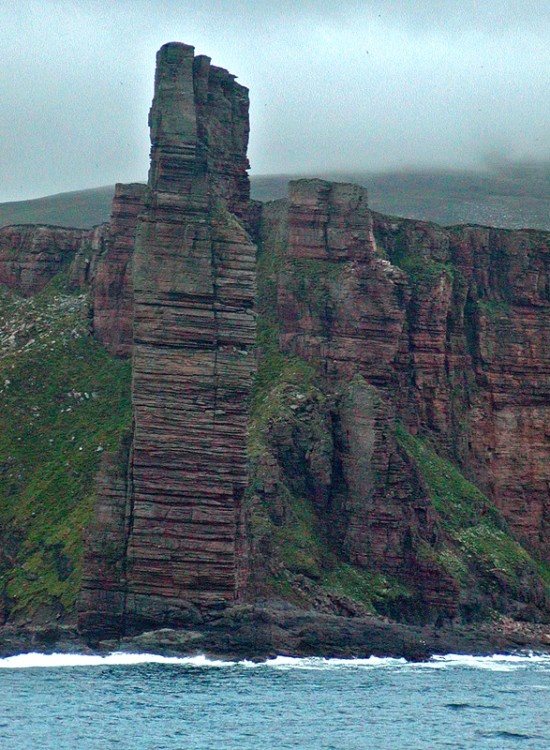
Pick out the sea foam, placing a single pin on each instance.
(52, 661)
(495, 663)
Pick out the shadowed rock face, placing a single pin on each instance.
(112, 285)
(343, 307)
(194, 286)
(31, 255)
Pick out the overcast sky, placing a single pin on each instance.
(334, 85)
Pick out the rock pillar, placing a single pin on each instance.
(194, 286)
(193, 351)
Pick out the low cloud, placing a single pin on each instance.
(352, 86)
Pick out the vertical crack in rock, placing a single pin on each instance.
(194, 286)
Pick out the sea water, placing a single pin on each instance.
(147, 702)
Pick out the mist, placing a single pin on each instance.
(368, 86)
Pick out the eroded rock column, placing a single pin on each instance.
(194, 286)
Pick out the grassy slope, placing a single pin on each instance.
(80, 208)
(511, 195)
(63, 401)
(476, 533)
(299, 545)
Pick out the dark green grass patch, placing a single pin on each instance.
(63, 402)
(478, 536)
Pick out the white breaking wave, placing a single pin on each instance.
(52, 661)
(495, 663)
(321, 663)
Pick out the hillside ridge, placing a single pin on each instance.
(515, 196)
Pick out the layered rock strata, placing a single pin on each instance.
(112, 285)
(98, 260)
(194, 330)
(414, 351)
(31, 255)
(477, 370)
(411, 329)
(342, 307)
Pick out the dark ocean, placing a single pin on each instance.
(144, 702)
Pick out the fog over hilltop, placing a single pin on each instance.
(347, 87)
(509, 194)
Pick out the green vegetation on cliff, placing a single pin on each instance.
(409, 254)
(290, 420)
(459, 502)
(63, 402)
(477, 537)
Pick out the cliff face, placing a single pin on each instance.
(194, 286)
(342, 308)
(98, 261)
(112, 293)
(479, 357)
(426, 357)
(30, 256)
(391, 454)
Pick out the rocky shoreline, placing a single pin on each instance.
(259, 632)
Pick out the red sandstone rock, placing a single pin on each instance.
(31, 255)
(194, 330)
(479, 359)
(444, 329)
(112, 280)
(329, 311)
(98, 259)
(434, 348)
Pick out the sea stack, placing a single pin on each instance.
(193, 361)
